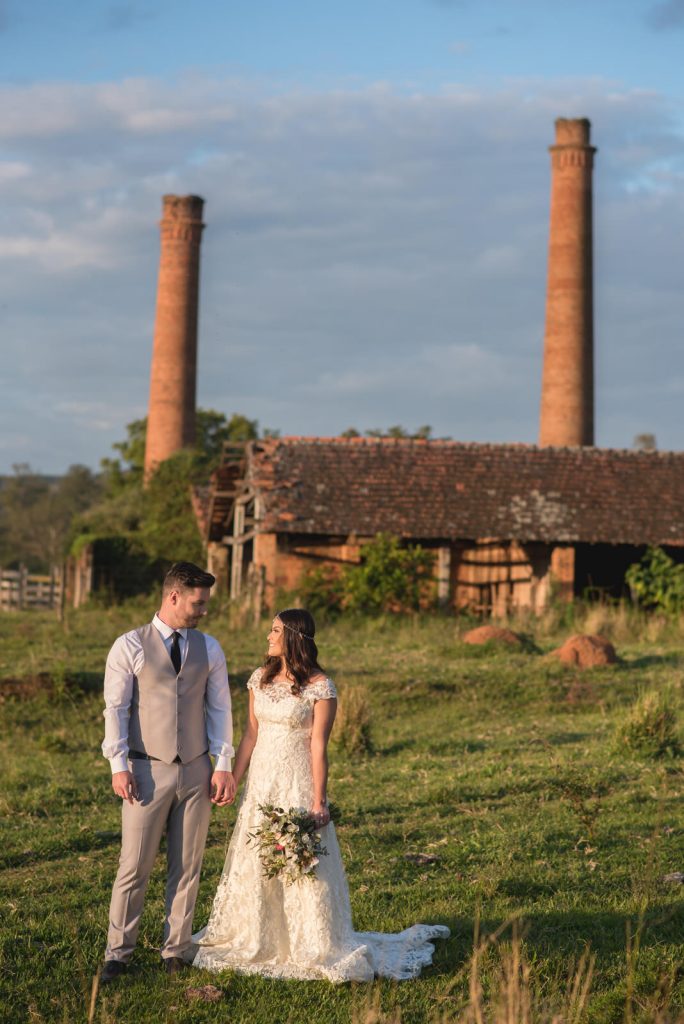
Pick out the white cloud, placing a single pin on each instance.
(370, 257)
(55, 252)
(443, 371)
(13, 170)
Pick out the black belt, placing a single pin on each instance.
(138, 755)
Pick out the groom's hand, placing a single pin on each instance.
(223, 788)
(124, 785)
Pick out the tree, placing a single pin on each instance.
(645, 443)
(151, 523)
(212, 429)
(168, 529)
(423, 433)
(39, 513)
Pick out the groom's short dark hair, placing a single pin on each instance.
(186, 576)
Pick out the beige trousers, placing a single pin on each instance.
(175, 797)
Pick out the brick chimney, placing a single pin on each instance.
(567, 400)
(173, 378)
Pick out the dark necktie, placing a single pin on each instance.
(175, 652)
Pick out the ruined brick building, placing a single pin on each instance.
(509, 524)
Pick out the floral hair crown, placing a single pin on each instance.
(293, 629)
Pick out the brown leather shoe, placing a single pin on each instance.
(175, 964)
(111, 970)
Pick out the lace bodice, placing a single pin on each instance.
(275, 704)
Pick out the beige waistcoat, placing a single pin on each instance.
(167, 710)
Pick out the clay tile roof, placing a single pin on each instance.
(449, 490)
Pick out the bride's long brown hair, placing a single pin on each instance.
(300, 654)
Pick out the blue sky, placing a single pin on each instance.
(310, 42)
(376, 177)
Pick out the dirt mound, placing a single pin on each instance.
(54, 685)
(492, 634)
(586, 652)
(25, 687)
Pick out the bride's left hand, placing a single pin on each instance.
(321, 815)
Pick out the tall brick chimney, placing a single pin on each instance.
(173, 378)
(567, 400)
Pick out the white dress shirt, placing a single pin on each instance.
(125, 661)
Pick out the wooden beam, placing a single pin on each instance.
(236, 559)
(242, 539)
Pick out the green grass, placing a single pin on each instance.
(503, 765)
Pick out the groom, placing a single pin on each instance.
(167, 707)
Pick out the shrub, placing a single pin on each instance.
(657, 582)
(353, 725)
(650, 729)
(321, 590)
(390, 578)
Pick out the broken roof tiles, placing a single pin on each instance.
(447, 490)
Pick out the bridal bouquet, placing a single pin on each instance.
(288, 843)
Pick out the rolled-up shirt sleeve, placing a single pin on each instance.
(118, 693)
(218, 707)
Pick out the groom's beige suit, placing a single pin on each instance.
(162, 725)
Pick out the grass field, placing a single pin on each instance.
(551, 839)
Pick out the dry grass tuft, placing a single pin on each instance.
(515, 994)
(650, 728)
(353, 726)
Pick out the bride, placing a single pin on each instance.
(261, 925)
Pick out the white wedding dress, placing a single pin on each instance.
(303, 930)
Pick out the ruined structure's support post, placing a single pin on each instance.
(266, 558)
(217, 563)
(443, 576)
(562, 573)
(173, 380)
(567, 403)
